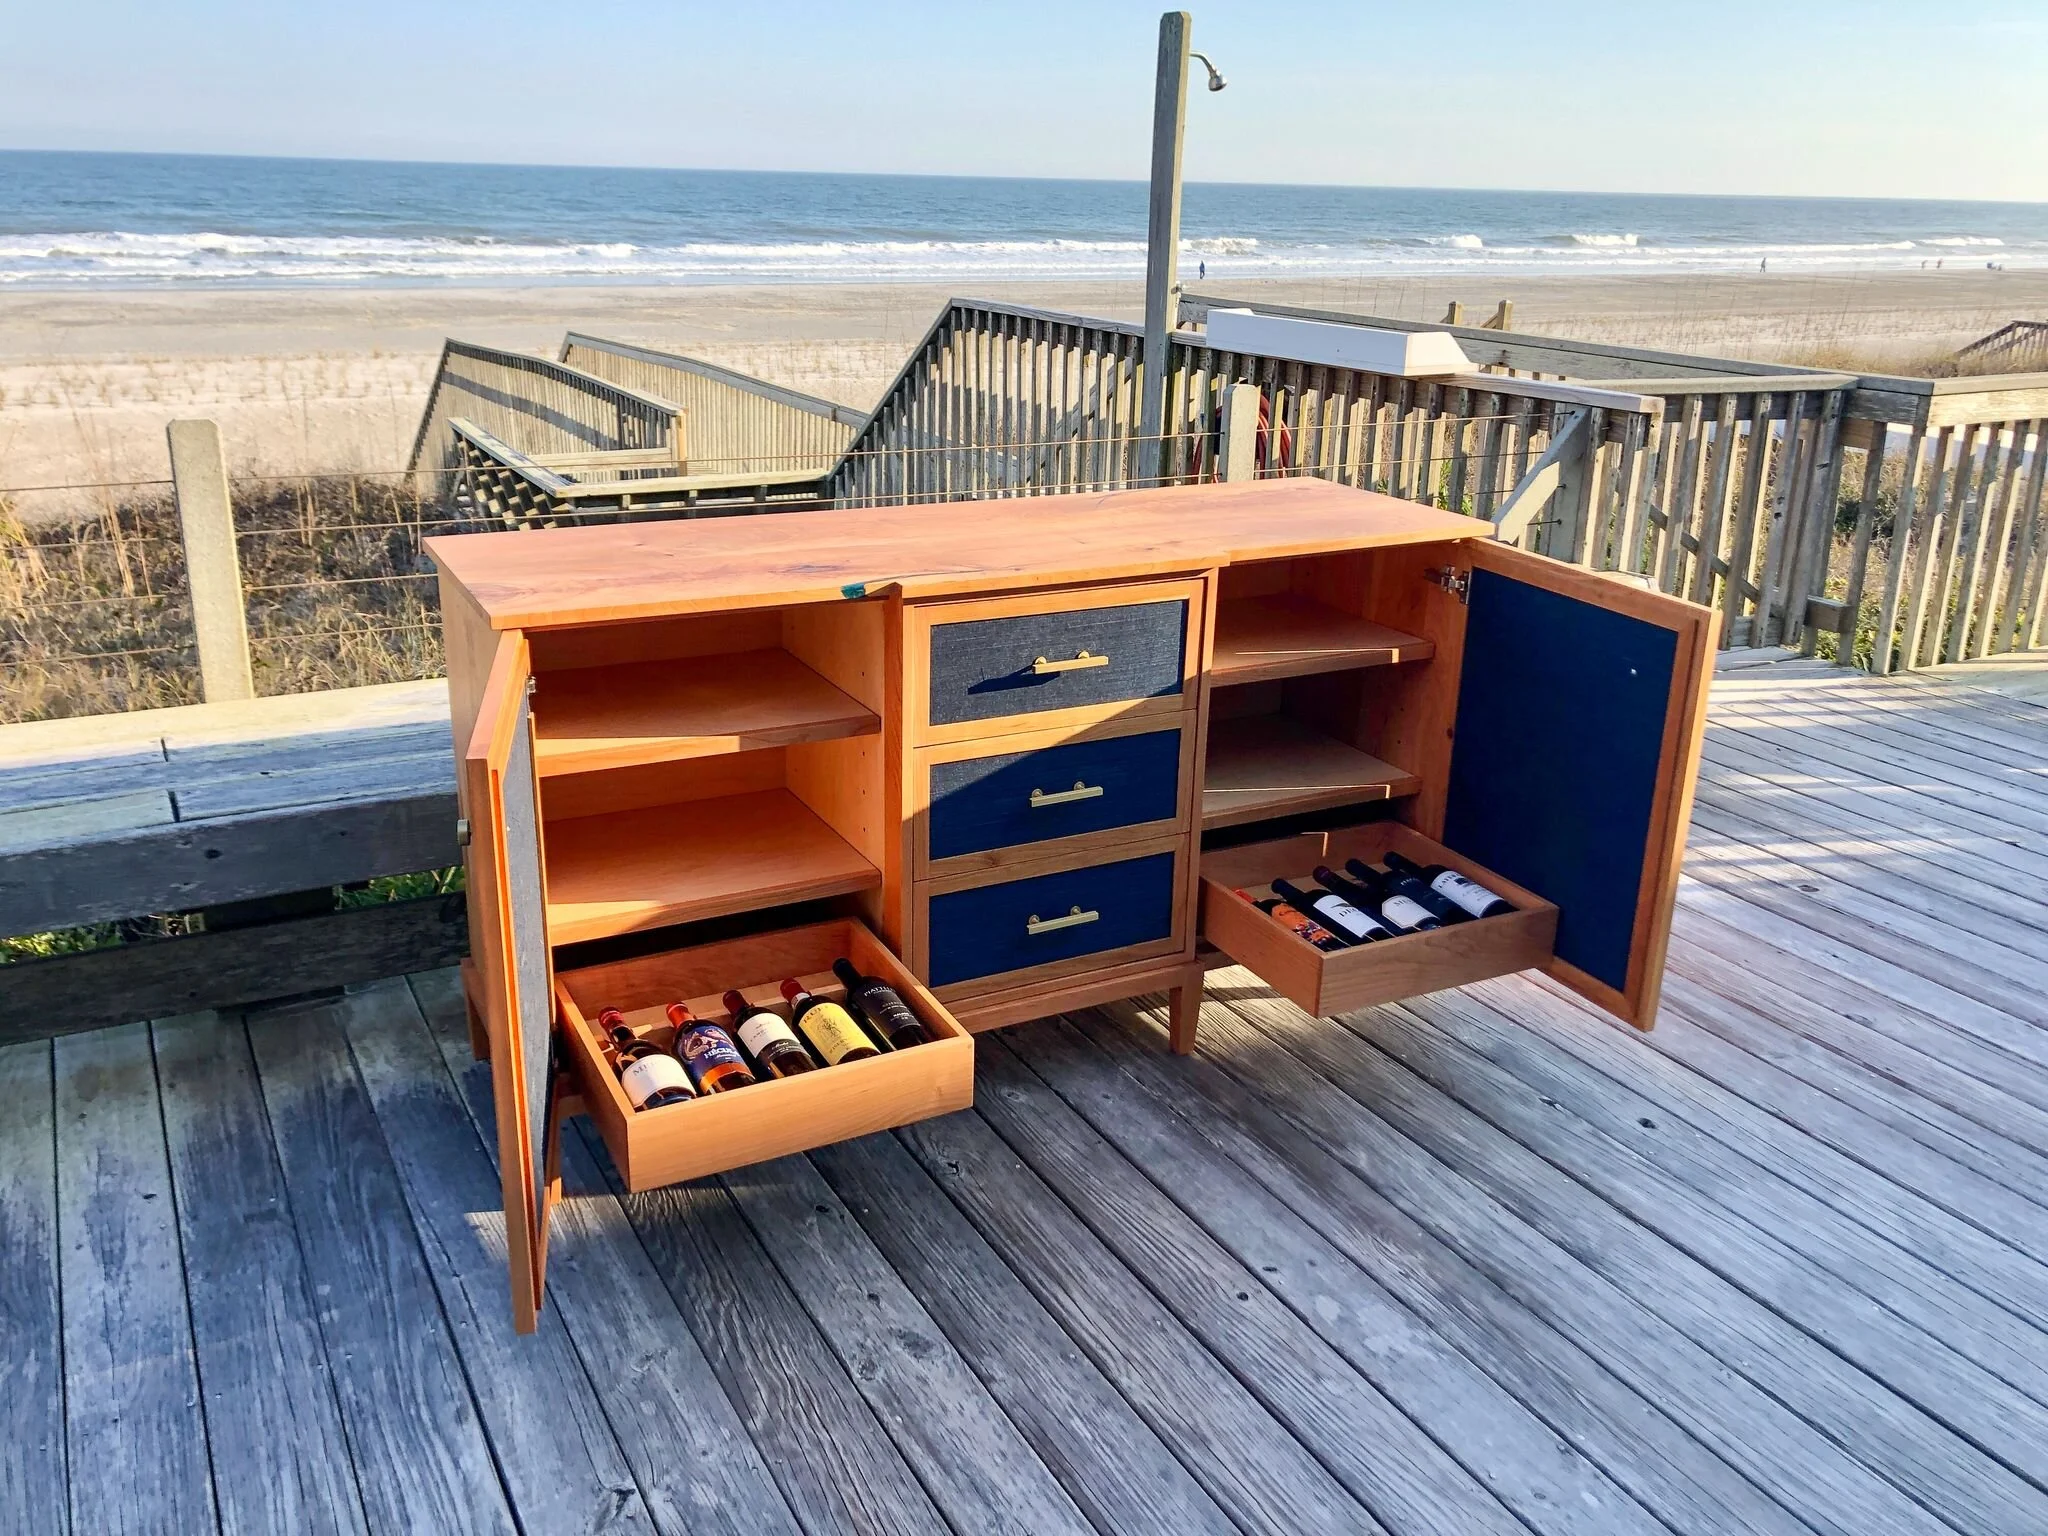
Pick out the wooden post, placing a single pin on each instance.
(1455, 315)
(1162, 236)
(1240, 458)
(1503, 317)
(212, 567)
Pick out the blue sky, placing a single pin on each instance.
(1881, 97)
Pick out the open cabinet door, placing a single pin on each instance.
(507, 886)
(1581, 704)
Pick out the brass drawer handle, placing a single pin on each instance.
(1074, 919)
(1080, 791)
(1080, 662)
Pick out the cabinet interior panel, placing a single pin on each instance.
(647, 868)
(1261, 766)
(659, 711)
(1292, 635)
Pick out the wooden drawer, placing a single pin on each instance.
(1407, 966)
(1045, 658)
(1106, 785)
(749, 1125)
(1024, 929)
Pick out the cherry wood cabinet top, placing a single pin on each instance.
(594, 575)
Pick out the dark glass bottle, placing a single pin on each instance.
(1367, 887)
(1298, 923)
(714, 1062)
(772, 1043)
(882, 1006)
(1467, 893)
(1394, 883)
(831, 1030)
(651, 1077)
(1338, 915)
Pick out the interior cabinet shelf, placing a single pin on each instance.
(1262, 766)
(663, 711)
(1285, 635)
(630, 870)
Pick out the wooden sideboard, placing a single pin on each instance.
(1021, 756)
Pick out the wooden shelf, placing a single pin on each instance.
(1260, 638)
(629, 870)
(1262, 766)
(661, 711)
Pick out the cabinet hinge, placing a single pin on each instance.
(532, 686)
(1454, 581)
(462, 832)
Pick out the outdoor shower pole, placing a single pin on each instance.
(1162, 238)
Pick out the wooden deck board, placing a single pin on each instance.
(262, 1366)
(1486, 1261)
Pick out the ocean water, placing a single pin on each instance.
(98, 220)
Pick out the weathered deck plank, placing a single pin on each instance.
(137, 1436)
(422, 1460)
(262, 1365)
(1119, 1472)
(1485, 1261)
(33, 1481)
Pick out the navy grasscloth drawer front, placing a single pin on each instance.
(990, 929)
(1065, 791)
(1027, 663)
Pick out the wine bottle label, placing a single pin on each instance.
(882, 1004)
(1305, 926)
(705, 1048)
(762, 1032)
(646, 1076)
(833, 1032)
(1348, 917)
(1403, 913)
(1469, 894)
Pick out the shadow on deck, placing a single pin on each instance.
(1481, 1262)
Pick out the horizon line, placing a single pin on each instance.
(1117, 181)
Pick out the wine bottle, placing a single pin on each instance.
(882, 1006)
(1366, 887)
(714, 1063)
(768, 1040)
(1469, 894)
(830, 1028)
(1337, 914)
(1396, 883)
(1297, 923)
(651, 1077)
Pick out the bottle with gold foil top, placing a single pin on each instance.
(830, 1028)
(651, 1077)
(767, 1039)
(707, 1051)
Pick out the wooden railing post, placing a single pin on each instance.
(1240, 457)
(213, 569)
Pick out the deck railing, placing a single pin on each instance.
(537, 407)
(743, 425)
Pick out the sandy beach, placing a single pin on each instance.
(305, 380)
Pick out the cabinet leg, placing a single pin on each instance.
(479, 1035)
(1184, 1013)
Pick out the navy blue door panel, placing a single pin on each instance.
(1560, 727)
(981, 668)
(981, 932)
(985, 802)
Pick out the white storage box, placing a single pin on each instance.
(1404, 354)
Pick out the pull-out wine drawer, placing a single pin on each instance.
(777, 1116)
(1332, 983)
